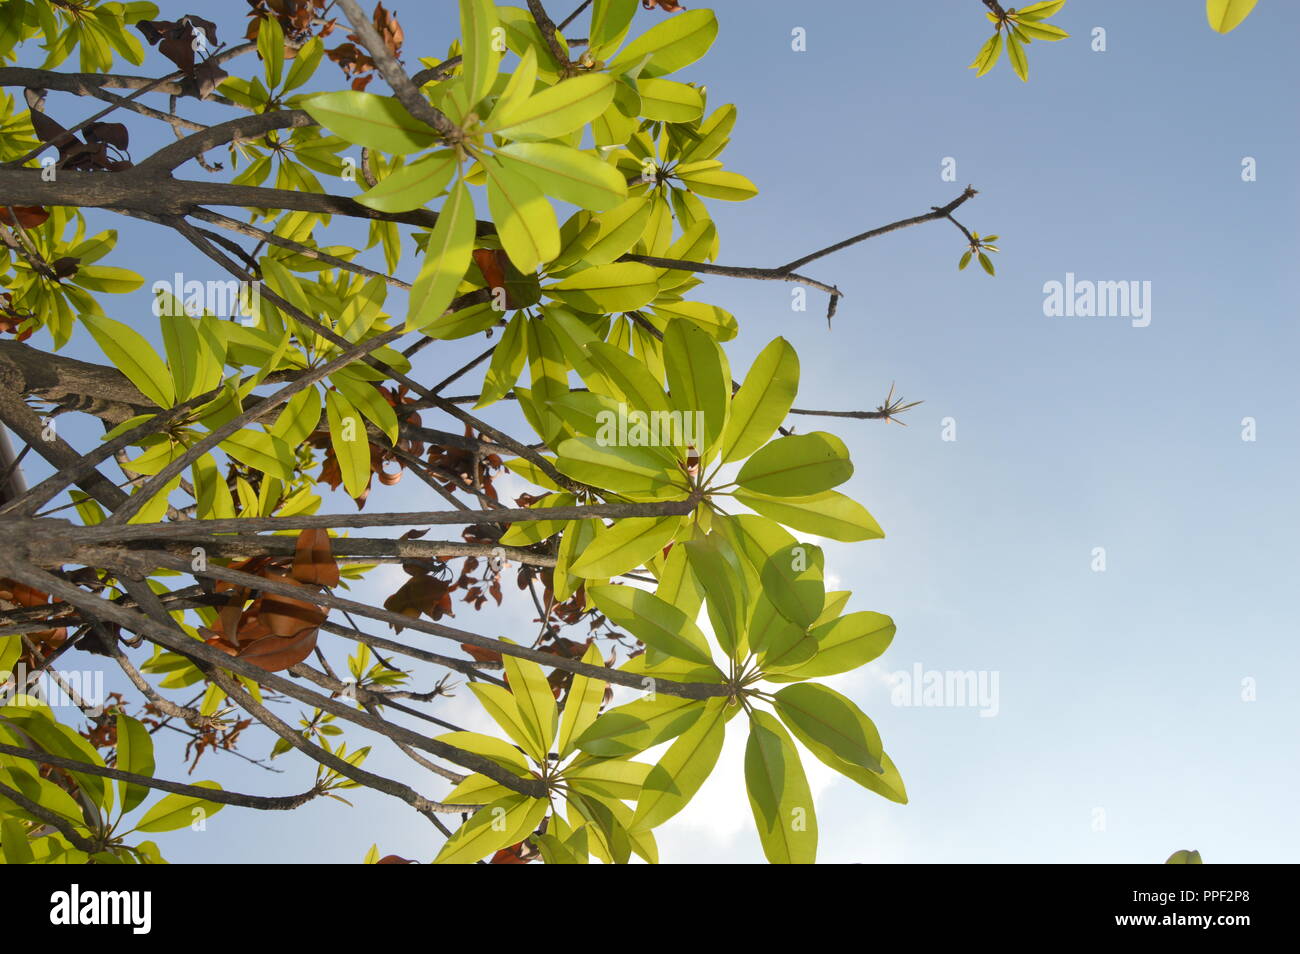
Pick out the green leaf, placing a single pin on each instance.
(508, 359)
(367, 119)
(299, 418)
(133, 356)
(567, 174)
(699, 380)
(490, 747)
(270, 47)
(651, 620)
(179, 811)
(1186, 857)
(605, 289)
(887, 783)
(717, 184)
(1041, 31)
(1040, 11)
(717, 322)
(797, 466)
(817, 713)
(827, 514)
(986, 263)
(774, 637)
(41, 791)
(365, 397)
(610, 20)
(573, 336)
(717, 569)
(446, 258)
(988, 55)
(413, 185)
(153, 511)
(531, 472)
(792, 580)
(134, 754)
(348, 438)
(630, 379)
(636, 726)
(836, 600)
(677, 584)
(778, 793)
(606, 778)
(673, 782)
(697, 243)
(505, 822)
(615, 231)
(13, 837)
(526, 222)
(503, 707)
(522, 82)
(1226, 15)
(670, 44)
(763, 401)
(626, 545)
(534, 700)
(582, 704)
(478, 20)
(194, 367)
(262, 451)
(305, 63)
(609, 839)
(842, 644)
(105, 278)
(627, 470)
(1019, 63)
(670, 102)
(556, 111)
(556, 852)
(477, 790)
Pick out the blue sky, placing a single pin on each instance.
(1121, 732)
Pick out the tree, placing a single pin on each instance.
(188, 547)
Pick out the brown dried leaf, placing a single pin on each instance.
(313, 559)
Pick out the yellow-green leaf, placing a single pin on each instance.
(478, 21)
(133, 356)
(673, 782)
(493, 827)
(651, 620)
(348, 438)
(626, 545)
(567, 174)
(779, 794)
(1226, 15)
(582, 704)
(367, 119)
(413, 185)
(763, 401)
(526, 222)
(534, 700)
(178, 811)
(554, 112)
(446, 258)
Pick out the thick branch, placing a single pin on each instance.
(688, 690)
(50, 818)
(14, 567)
(263, 802)
(239, 129)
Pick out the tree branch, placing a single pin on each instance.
(275, 803)
(406, 92)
